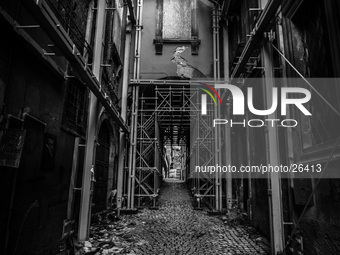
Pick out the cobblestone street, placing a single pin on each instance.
(178, 229)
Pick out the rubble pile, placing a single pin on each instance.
(108, 238)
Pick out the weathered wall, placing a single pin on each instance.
(158, 66)
(307, 47)
(32, 88)
(320, 224)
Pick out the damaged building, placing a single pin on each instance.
(101, 101)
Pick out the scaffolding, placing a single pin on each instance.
(168, 113)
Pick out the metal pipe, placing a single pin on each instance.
(227, 130)
(85, 207)
(274, 181)
(248, 135)
(133, 177)
(215, 111)
(122, 141)
(132, 134)
(133, 149)
(219, 133)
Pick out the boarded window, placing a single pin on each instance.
(177, 19)
(177, 23)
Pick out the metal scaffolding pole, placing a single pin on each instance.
(134, 118)
(261, 26)
(122, 137)
(133, 145)
(86, 193)
(227, 131)
(274, 181)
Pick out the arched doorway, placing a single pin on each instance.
(101, 173)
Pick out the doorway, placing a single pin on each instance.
(101, 173)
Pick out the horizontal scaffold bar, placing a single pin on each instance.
(146, 82)
(263, 24)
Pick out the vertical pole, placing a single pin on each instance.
(122, 142)
(216, 108)
(227, 127)
(134, 151)
(248, 137)
(197, 154)
(289, 134)
(219, 132)
(136, 71)
(73, 179)
(229, 191)
(274, 183)
(86, 193)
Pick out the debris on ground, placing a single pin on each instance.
(176, 228)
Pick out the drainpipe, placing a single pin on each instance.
(86, 193)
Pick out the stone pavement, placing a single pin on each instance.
(178, 229)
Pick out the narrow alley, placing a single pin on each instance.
(175, 229)
(170, 127)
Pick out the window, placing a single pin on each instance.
(177, 23)
(324, 125)
(177, 19)
(75, 107)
